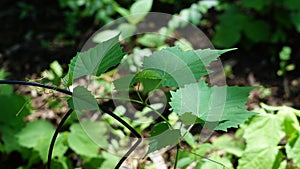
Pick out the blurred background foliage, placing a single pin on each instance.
(38, 38)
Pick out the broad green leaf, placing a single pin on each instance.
(139, 10)
(223, 105)
(162, 136)
(97, 131)
(33, 131)
(188, 118)
(94, 61)
(81, 143)
(60, 147)
(229, 144)
(150, 79)
(110, 161)
(293, 149)
(258, 158)
(159, 129)
(290, 122)
(11, 106)
(83, 99)
(269, 129)
(228, 31)
(209, 55)
(8, 136)
(6, 89)
(176, 67)
(92, 163)
(226, 36)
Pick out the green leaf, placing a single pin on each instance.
(169, 138)
(209, 55)
(105, 35)
(226, 36)
(6, 89)
(162, 136)
(228, 31)
(290, 121)
(150, 79)
(29, 136)
(10, 106)
(83, 99)
(189, 118)
(229, 144)
(293, 149)
(223, 105)
(176, 67)
(94, 61)
(217, 162)
(60, 147)
(97, 131)
(269, 129)
(257, 31)
(110, 160)
(139, 10)
(260, 158)
(124, 83)
(81, 143)
(127, 30)
(159, 128)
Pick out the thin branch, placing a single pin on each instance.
(17, 82)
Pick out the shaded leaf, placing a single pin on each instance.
(94, 61)
(83, 99)
(162, 136)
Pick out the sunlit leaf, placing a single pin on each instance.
(33, 131)
(224, 105)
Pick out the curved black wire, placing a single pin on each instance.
(65, 117)
(133, 131)
(14, 82)
(54, 137)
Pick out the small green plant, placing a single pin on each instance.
(158, 71)
(285, 56)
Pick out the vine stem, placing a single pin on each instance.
(65, 117)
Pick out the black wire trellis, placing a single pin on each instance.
(105, 110)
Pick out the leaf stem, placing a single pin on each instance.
(177, 155)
